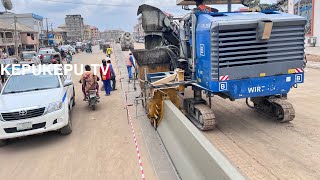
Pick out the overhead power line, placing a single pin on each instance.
(89, 4)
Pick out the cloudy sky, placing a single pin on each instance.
(105, 14)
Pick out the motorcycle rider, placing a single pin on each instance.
(69, 56)
(63, 54)
(89, 82)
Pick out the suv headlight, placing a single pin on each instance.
(56, 106)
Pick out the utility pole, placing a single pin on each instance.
(15, 36)
(47, 31)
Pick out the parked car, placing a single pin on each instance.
(29, 57)
(45, 104)
(45, 51)
(49, 58)
(68, 47)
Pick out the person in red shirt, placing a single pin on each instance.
(105, 72)
(203, 8)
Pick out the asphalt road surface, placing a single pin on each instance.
(100, 147)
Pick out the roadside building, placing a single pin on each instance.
(310, 9)
(31, 20)
(7, 38)
(59, 36)
(95, 33)
(112, 35)
(87, 33)
(138, 29)
(75, 27)
(27, 38)
(63, 29)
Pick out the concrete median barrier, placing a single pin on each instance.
(192, 154)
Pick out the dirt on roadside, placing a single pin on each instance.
(314, 58)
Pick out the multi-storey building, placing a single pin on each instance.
(87, 33)
(75, 27)
(95, 33)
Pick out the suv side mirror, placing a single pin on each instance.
(68, 83)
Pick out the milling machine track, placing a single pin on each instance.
(277, 107)
(200, 114)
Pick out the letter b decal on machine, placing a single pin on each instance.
(223, 86)
(299, 78)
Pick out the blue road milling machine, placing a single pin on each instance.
(257, 56)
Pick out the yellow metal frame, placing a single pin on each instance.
(158, 95)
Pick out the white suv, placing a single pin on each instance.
(33, 104)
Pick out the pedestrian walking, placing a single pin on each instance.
(113, 75)
(130, 63)
(5, 55)
(105, 73)
(109, 51)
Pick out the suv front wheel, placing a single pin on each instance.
(68, 128)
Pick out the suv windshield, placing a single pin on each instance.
(30, 83)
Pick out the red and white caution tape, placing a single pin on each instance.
(224, 78)
(299, 70)
(133, 133)
(137, 147)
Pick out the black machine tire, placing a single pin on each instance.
(3, 142)
(73, 101)
(93, 103)
(74, 98)
(279, 108)
(68, 128)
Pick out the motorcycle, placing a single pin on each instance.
(92, 99)
(88, 50)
